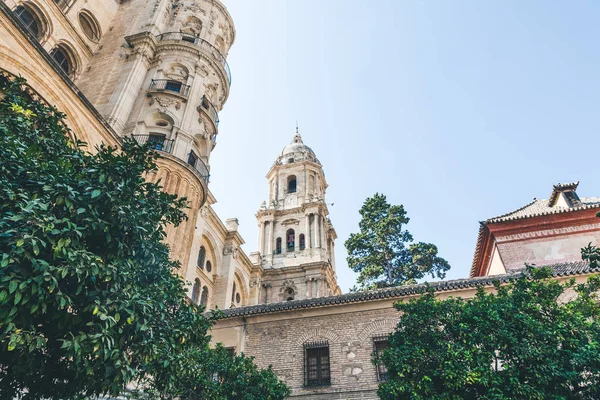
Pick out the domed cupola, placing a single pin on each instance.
(296, 151)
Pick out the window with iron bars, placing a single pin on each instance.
(316, 364)
(380, 343)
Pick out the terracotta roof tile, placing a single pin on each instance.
(542, 207)
(561, 269)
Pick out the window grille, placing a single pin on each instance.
(380, 343)
(316, 364)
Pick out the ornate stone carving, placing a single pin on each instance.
(165, 102)
(204, 212)
(195, 8)
(233, 250)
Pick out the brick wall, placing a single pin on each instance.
(350, 335)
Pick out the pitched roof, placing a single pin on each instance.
(561, 269)
(542, 207)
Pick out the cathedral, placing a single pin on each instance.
(157, 71)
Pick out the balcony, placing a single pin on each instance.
(155, 142)
(167, 85)
(199, 165)
(160, 143)
(209, 109)
(201, 43)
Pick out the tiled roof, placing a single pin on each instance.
(562, 269)
(542, 207)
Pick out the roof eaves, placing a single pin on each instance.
(561, 270)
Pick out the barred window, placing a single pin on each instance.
(316, 364)
(380, 343)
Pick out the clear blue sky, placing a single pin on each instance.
(460, 110)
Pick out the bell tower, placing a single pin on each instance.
(296, 237)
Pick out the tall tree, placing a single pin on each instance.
(522, 341)
(383, 253)
(89, 300)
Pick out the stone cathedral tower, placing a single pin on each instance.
(296, 237)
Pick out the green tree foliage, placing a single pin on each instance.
(383, 253)
(520, 342)
(592, 253)
(220, 375)
(89, 300)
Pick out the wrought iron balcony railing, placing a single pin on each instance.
(156, 142)
(199, 165)
(203, 44)
(170, 86)
(160, 143)
(209, 109)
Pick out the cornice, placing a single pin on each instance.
(177, 46)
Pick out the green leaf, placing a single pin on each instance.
(96, 193)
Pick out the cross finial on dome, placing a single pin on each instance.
(297, 138)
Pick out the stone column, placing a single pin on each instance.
(261, 239)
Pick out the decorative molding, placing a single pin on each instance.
(165, 102)
(234, 250)
(548, 232)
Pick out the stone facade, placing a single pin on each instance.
(156, 70)
(296, 236)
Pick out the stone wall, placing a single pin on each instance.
(546, 246)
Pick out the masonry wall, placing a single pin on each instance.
(546, 246)
(279, 339)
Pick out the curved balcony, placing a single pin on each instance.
(209, 109)
(169, 85)
(155, 142)
(160, 143)
(199, 165)
(201, 43)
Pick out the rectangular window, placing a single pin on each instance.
(156, 142)
(380, 343)
(192, 158)
(316, 364)
(174, 86)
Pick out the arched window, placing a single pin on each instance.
(196, 291)
(201, 257)
(31, 20)
(290, 240)
(233, 292)
(292, 184)
(204, 297)
(302, 242)
(278, 246)
(208, 266)
(89, 26)
(64, 59)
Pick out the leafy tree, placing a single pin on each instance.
(220, 375)
(520, 342)
(383, 253)
(592, 253)
(89, 300)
